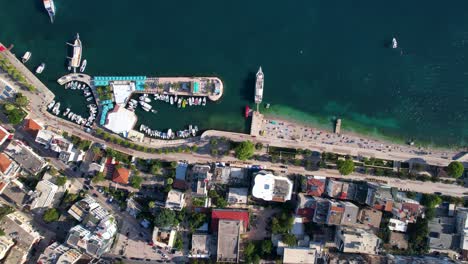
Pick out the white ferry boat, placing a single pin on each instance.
(259, 86)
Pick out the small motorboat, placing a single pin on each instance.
(83, 65)
(394, 43)
(41, 68)
(247, 111)
(26, 57)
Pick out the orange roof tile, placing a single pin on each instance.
(120, 175)
(5, 162)
(3, 133)
(32, 127)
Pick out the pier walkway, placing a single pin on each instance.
(41, 89)
(153, 85)
(80, 77)
(256, 125)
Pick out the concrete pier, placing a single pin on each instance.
(80, 77)
(170, 85)
(256, 125)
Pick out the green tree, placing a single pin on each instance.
(282, 224)
(155, 167)
(289, 239)
(53, 171)
(21, 100)
(2, 232)
(51, 215)
(151, 204)
(455, 169)
(430, 200)
(70, 198)
(267, 247)
(165, 218)
(178, 243)
(196, 220)
(249, 250)
(169, 181)
(5, 210)
(98, 178)
(345, 167)
(259, 146)
(136, 181)
(61, 180)
(245, 150)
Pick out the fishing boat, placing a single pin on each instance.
(394, 43)
(50, 7)
(184, 102)
(190, 101)
(83, 65)
(75, 60)
(172, 100)
(154, 111)
(247, 111)
(41, 68)
(147, 100)
(259, 86)
(26, 57)
(66, 111)
(179, 102)
(204, 101)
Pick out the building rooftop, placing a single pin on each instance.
(4, 134)
(297, 255)
(228, 241)
(201, 246)
(181, 170)
(25, 156)
(272, 188)
(356, 240)
(370, 217)
(175, 199)
(306, 207)
(121, 175)
(5, 244)
(228, 214)
(32, 127)
(120, 120)
(238, 195)
(45, 192)
(59, 254)
(341, 190)
(315, 185)
(19, 227)
(5, 164)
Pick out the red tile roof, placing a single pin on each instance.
(32, 127)
(3, 134)
(227, 214)
(121, 175)
(315, 187)
(5, 162)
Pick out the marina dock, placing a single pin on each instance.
(80, 77)
(338, 126)
(211, 87)
(256, 124)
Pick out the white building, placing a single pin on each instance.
(272, 188)
(356, 240)
(175, 200)
(120, 120)
(59, 254)
(462, 227)
(45, 192)
(5, 244)
(297, 255)
(122, 91)
(397, 225)
(51, 140)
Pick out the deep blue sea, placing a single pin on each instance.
(322, 59)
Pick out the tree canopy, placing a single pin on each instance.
(345, 167)
(282, 224)
(21, 100)
(136, 181)
(455, 169)
(289, 239)
(51, 215)
(98, 178)
(245, 150)
(165, 218)
(61, 180)
(430, 200)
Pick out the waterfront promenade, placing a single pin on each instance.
(41, 97)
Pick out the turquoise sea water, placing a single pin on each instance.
(322, 59)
